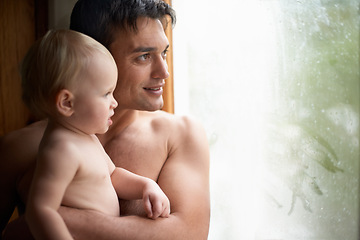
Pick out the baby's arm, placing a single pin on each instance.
(55, 170)
(130, 186)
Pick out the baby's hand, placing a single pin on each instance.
(156, 203)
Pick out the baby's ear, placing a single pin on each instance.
(65, 102)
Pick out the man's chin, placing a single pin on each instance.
(153, 108)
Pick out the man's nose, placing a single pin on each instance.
(160, 69)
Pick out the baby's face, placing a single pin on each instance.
(94, 102)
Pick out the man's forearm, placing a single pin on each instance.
(89, 225)
(92, 225)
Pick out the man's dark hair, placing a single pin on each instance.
(101, 19)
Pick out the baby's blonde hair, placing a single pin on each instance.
(54, 63)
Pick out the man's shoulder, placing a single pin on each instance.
(22, 141)
(31, 131)
(168, 121)
(186, 138)
(177, 129)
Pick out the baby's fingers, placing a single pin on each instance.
(166, 211)
(157, 209)
(148, 207)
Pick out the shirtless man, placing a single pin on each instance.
(169, 149)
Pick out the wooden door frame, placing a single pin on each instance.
(169, 82)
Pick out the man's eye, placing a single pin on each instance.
(164, 54)
(144, 57)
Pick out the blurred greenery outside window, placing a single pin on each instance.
(276, 85)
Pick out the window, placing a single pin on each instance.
(276, 85)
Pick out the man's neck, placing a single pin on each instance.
(121, 120)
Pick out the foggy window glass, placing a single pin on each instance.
(276, 85)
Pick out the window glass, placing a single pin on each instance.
(276, 86)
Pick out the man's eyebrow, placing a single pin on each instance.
(147, 49)
(143, 49)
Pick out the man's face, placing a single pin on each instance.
(142, 67)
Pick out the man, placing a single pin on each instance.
(168, 149)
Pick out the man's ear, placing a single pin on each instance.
(65, 102)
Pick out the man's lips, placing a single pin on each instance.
(154, 91)
(154, 88)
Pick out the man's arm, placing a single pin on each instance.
(8, 177)
(184, 179)
(8, 198)
(18, 152)
(17, 230)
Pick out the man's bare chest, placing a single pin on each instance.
(142, 155)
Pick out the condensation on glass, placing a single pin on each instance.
(276, 84)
